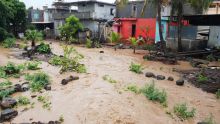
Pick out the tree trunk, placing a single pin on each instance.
(179, 32)
(160, 25)
(33, 43)
(134, 49)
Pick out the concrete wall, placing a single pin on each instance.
(126, 10)
(214, 36)
(104, 12)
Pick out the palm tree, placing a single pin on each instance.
(177, 7)
(33, 36)
(134, 43)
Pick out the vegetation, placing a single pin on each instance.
(133, 88)
(136, 68)
(6, 93)
(211, 58)
(9, 42)
(61, 119)
(44, 48)
(202, 78)
(70, 61)
(5, 84)
(134, 43)
(33, 36)
(154, 94)
(11, 70)
(115, 38)
(45, 101)
(218, 94)
(37, 81)
(88, 43)
(209, 120)
(69, 30)
(181, 110)
(23, 101)
(109, 79)
(33, 65)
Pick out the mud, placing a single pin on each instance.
(91, 100)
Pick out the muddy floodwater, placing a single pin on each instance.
(91, 100)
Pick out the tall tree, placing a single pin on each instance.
(177, 8)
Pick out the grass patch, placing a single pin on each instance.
(181, 110)
(6, 93)
(5, 84)
(154, 94)
(70, 61)
(45, 101)
(44, 48)
(33, 65)
(109, 79)
(37, 81)
(136, 68)
(11, 70)
(133, 88)
(23, 101)
(202, 78)
(88, 43)
(9, 42)
(218, 94)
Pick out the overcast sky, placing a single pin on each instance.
(40, 3)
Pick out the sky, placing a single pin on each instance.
(40, 3)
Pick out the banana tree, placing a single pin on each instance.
(33, 36)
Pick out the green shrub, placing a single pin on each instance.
(23, 101)
(133, 88)
(11, 70)
(202, 78)
(181, 110)
(45, 101)
(218, 94)
(6, 93)
(137, 68)
(38, 81)
(209, 120)
(109, 79)
(56, 61)
(210, 58)
(5, 84)
(154, 94)
(9, 42)
(44, 48)
(33, 65)
(88, 43)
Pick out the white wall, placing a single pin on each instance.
(214, 36)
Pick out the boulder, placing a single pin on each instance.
(47, 87)
(18, 88)
(170, 78)
(160, 77)
(180, 82)
(8, 114)
(25, 86)
(149, 74)
(8, 103)
(202, 123)
(54, 122)
(69, 79)
(101, 52)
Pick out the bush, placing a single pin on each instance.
(56, 61)
(38, 81)
(9, 42)
(218, 94)
(209, 120)
(155, 94)
(23, 101)
(33, 65)
(5, 84)
(202, 78)
(181, 110)
(11, 70)
(109, 79)
(137, 68)
(88, 43)
(44, 48)
(3, 34)
(210, 58)
(6, 93)
(133, 88)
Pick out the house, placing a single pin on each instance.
(130, 22)
(214, 7)
(92, 14)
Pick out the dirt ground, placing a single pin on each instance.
(91, 100)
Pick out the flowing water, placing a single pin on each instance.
(91, 100)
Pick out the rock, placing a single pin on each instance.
(37, 122)
(18, 88)
(69, 79)
(47, 87)
(160, 77)
(8, 102)
(8, 114)
(170, 78)
(54, 122)
(149, 74)
(25, 86)
(101, 52)
(202, 123)
(180, 82)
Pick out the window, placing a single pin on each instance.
(101, 5)
(83, 5)
(134, 11)
(133, 30)
(111, 11)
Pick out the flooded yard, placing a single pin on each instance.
(92, 100)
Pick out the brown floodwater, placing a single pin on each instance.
(91, 100)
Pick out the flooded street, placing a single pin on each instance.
(91, 100)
